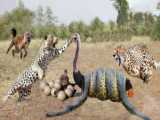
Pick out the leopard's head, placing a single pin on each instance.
(119, 54)
(51, 41)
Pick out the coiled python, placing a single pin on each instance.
(104, 84)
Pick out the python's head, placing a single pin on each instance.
(118, 54)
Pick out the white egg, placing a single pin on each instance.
(42, 85)
(61, 95)
(58, 81)
(53, 92)
(51, 84)
(70, 87)
(47, 90)
(57, 86)
(68, 92)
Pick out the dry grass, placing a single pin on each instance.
(92, 56)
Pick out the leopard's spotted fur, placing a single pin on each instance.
(136, 60)
(37, 70)
(103, 83)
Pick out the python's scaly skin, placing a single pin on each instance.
(103, 84)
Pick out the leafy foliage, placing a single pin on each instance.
(21, 18)
(42, 22)
(156, 29)
(122, 8)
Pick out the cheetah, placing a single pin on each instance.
(36, 71)
(136, 61)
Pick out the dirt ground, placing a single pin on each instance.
(92, 56)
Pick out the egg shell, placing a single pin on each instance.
(42, 85)
(53, 92)
(51, 84)
(57, 86)
(61, 95)
(68, 92)
(47, 91)
(70, 87)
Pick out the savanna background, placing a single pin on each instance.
(99, 38)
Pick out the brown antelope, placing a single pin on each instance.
(20, 43)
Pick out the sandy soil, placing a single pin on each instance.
(92, 56)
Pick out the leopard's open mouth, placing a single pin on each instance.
(117, 59)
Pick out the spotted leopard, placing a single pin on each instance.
(36, 71)
(136, 61)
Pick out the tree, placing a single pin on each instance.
(39, 22)
(156, 29)
(97, 29)
(158, 5)
(20, 18)
(50, 19)
(138, 18)
(137, 25)
(80, 27)
(156, 26)
(39, 16)
(122, 8)
(148, 23)
(21, 4)
(63, 31)
(111, 25)
(77, 26)
(97, 25)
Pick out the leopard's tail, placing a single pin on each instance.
(75, 104)
(11, 91)
(7, 96)
(156, 65)
(13, 32)
(126, 102)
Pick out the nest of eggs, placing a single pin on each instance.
(57, 89)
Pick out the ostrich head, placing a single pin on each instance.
(76, 37)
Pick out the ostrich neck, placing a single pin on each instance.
(75, 67)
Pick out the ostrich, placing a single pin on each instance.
(102, 84)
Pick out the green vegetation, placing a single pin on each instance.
(21, 18)
(42, 22)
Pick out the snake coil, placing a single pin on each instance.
(104, 84)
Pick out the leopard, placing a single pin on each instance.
(47, 52)
(136, 60)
